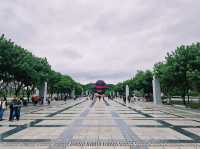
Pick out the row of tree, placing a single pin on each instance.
(21, 71)
(140, 84)
(179, 75)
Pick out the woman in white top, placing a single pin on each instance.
(2, 108)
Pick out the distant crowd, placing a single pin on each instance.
(14, 105)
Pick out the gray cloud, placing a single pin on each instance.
(108, 40)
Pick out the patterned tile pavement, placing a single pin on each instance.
(105, 124)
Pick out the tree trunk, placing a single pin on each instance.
(169, 99)
(183, 97)
(18, 87)
(23, 93)
(188, 96)
(51, 96)
(28, 92)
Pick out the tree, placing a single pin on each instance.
(180, 72)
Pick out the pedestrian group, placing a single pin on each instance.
(14, 106)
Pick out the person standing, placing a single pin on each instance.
(6, 102)
(12, 112)
(65, 99)
(18, 109)
(124, 99)
(129, 99)
(48, 101)
(2, 108)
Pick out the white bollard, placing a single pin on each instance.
(45, 93)
(127, 93)
(156, 91)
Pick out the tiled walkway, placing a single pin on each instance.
(100, 124)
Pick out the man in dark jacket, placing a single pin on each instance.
(15, 108)
(18, 109)
(13, 102)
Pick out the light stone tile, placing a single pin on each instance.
(158, 134)
(38, 133)
(63, 117)
(35, 115)
(45, 111)
(192, 146)
(71, 112)
(74, 111)
(4, 129)
(172, 147)
(19, 146)
(122, 111)
(65, 114)
(21, 122)
(153, 112)
(131, 115)
(142, 122)
(99, 122)
(126, 112)
(183, 122)
(163, 115)
(102, 112)
(98, 133)
(98, 147)
(55, 122)
(50, 118)
(32, 117)
(100, 115)
(179, 146)
(156, 147)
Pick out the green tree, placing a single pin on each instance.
(180, 72)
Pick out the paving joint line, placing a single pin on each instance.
(32, 123)
(178, 129)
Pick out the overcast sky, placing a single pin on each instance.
(101, 39)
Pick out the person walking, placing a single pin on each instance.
(124, 99)
(15, 107)
(65, 99)
(129, 99)
(48, 101)
(2, 108)
(18, 109)
(12, 112)
(6, 102)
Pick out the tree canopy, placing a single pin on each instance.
(22, 70)
(141, 82)
(179, 74)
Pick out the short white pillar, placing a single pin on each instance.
(156, 91)
(45, 93)
(127, 93)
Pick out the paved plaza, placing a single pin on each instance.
(101, 124)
